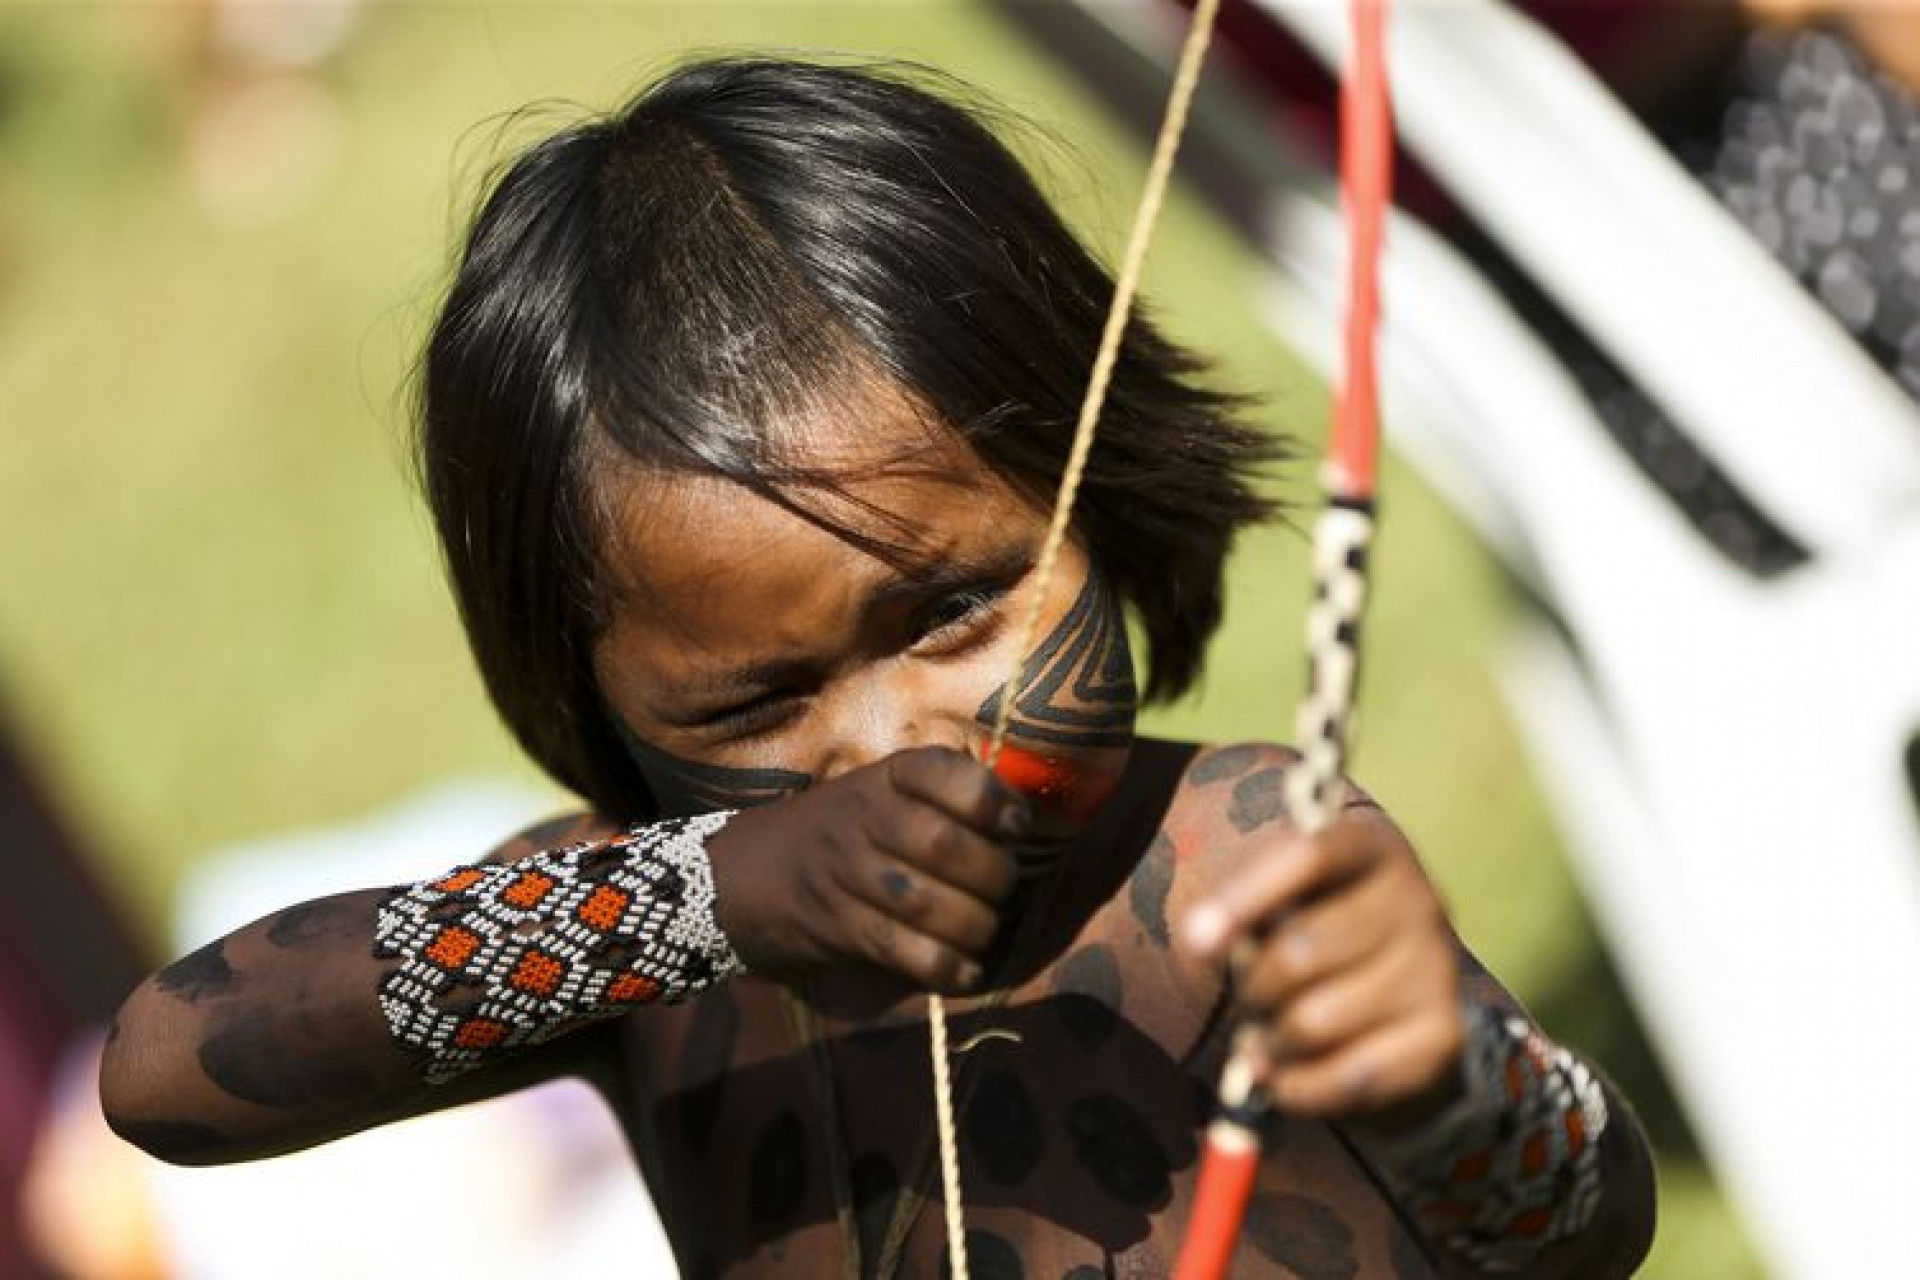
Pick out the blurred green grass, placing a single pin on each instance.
(222, 613)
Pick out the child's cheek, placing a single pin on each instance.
(1067, 790)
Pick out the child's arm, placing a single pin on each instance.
(358, 1009)
(272, 1039)
(1507, 1151)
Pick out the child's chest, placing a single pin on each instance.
(779, 1141)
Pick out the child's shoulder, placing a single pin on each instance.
(1209, 806)
(1228, 797)
(1239, 782)
(1217, 805)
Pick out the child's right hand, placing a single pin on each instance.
(901, 865)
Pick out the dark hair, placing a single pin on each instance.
(662, 284)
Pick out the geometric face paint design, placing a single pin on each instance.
(1072, 723)
(682, 788)
(1077, 688)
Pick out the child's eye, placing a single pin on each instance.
(757, 715)
(951, 616)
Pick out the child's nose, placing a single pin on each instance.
(875, 728)
(872, 739)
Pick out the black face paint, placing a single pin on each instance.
(684, 787)
(1077, 688)
(1070, 729)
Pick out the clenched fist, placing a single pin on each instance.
(1346, 968)
(903, 865)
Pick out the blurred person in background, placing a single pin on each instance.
(64, 948)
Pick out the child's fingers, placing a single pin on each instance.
(1276, 880)
(925, 961)
(963, 788)
(930, 841)
(925, 904)
(1324, 937)
(1394, 1062)
(1384, 988)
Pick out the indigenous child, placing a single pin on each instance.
(740, 425)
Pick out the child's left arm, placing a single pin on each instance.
(1508, 1151)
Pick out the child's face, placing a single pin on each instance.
(752, 652)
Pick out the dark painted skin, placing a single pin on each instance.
(755, 659)
(1080, 1142)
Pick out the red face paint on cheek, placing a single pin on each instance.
(1073, 789)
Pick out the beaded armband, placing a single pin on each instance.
(1514, 1165)
(493, 957)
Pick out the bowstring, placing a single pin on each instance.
(1159, 171)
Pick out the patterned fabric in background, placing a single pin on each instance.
(1820, 158)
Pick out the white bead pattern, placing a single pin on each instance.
(1514, 1165)
(495, 957)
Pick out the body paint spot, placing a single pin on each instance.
(172, 1139)
(255, 1056)
(1117, 1149)
(1303, 1236)
(777, 1176)
(704, 1059)
(1227, 762)
(1149, 887)
(988, 1257)
(1003, 1128)
(876, 1189)
(312, 922)
(898, 884)
(1257, 800)
(199, 974)
(1087, 995)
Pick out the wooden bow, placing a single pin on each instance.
(1342, 536)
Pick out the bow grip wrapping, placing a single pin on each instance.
(1314, 788)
